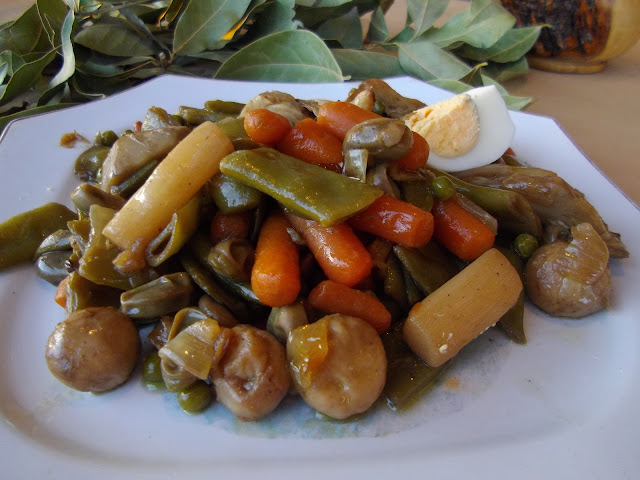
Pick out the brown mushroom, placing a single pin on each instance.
(94, 350)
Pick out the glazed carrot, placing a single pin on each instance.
(339, 117)
(418, 155)
(229, 225)
(310, 142)
(339, 252)
(265, 126)
(60, 296)
(459, 231)
(331, 297)
(395, 220)
(275, 276)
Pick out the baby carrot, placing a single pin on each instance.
(339, 117)
(60, 296)
(229, 225)
(266, 127)
(310, 142)
(331, 297)
(395, 220)
(275, 276)
(418, 155)
(339, 252)
(460, 231)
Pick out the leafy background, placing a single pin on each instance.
(61, 53)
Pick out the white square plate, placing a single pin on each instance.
(562, 406)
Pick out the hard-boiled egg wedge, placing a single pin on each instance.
(468, 130)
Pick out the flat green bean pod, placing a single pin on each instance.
(21, 235)
(308, 190)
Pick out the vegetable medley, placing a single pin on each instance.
(305, 247)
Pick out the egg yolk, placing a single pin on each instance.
(451, 127)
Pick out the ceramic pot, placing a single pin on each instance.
(581, 34)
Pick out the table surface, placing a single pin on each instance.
(599, 111)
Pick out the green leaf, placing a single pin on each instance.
(362, 64)
(133, 17)
(329, 3)
(294, 55)
(278, 16)
(501, 72)
(513, 103)
(52, 15)
(346, 30)
(474, 77)
(427, 61)
(25, 35)
(4, 120)
(311, 17)
(305, 3)
(424, 13)
(517, 103)
(172, 11)
(9, 63)
(378, 30)
(454, 86)
(68, 58)
(512, 46)
(26, 77)
(113, 36)
(481, 25)
(405, 35)
(204, 23)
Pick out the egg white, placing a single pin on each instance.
(496, 131)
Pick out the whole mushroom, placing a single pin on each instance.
(570, 279)
(94, 349)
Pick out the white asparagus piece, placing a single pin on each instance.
(439, 326)
(172, 184)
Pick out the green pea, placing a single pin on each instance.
(525, 244)
(443, 187)
(195, 398)
(151, 372)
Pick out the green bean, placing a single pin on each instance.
(418, 193)
(59, 240)
(82, 293)
(429, 268)
(308, 190)
(53, 266)
(129, 186)
(512, 322)
(196, 116)
(96, 263)
(232, 196)
(88, 165)
(394, 283)
(222, 106)
(204, 279)
(512, 210)
(86, 195)
(21, 235)
(408, 377)
(234, 129)
(159, 297)
(217, 311)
